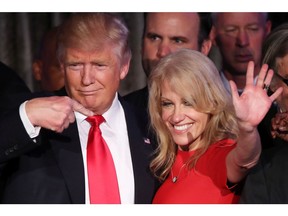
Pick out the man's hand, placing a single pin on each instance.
(279, 126)
(54, 113)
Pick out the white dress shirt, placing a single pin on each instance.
(227, 85)
(114, 132)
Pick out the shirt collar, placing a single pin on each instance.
(227, 85)
(108, 115)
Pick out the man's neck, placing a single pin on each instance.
(240, 80)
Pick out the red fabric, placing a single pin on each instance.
(103, 184)
(205, 184)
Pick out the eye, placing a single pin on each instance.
(99, 65)
(230, 29)
(152, 37)
(187, 103)
(253, 28)
(74, 66)
(166, 103)
(179, 40)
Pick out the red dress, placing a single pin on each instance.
(205, 184)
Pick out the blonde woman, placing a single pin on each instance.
(207, 140)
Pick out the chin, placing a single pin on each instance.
(182, 144)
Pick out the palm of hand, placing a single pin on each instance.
(254, 103)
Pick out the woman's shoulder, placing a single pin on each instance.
(224, 143)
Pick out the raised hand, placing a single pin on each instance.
(250, 108)
(254, 103)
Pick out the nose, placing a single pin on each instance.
(163, 49)
(242, 38)
(87, 75)
(177, 115)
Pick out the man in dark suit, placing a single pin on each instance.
(165, 33)
(266, 183)
(51, 167)
(10, 82)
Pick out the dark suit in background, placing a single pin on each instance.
(264, 128)
(10, 82)
(267, 181)
(139, 97)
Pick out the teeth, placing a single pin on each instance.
(181, 127)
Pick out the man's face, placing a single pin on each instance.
(239, 37)
(167, 32)
(92, 78)
(52, 76)
(46, 68)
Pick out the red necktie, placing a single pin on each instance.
(103, 184)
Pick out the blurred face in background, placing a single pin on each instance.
(165, 33)
(239, 37)
(46, 67)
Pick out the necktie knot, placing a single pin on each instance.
(95, 120)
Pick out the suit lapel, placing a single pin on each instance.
(67, 150)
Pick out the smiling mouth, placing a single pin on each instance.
(182, 127)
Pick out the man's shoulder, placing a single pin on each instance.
(138, 97)
(136, 94)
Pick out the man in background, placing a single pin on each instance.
(45, 66)
(239, 38)
(165, 33)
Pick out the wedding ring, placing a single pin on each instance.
(266, 87)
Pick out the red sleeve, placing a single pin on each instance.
(213, 164)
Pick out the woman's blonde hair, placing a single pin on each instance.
(195, 77)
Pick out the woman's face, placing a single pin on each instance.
(185, 124)
(282, 81)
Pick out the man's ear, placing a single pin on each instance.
(206, 46)
(212, 36)
(268, 27)
(37, 69)
(124, 69)
(62, 68)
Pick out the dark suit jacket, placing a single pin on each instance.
(138, 98)
(51, 170)
(10, 82)
(264, 128)
(267, 181)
